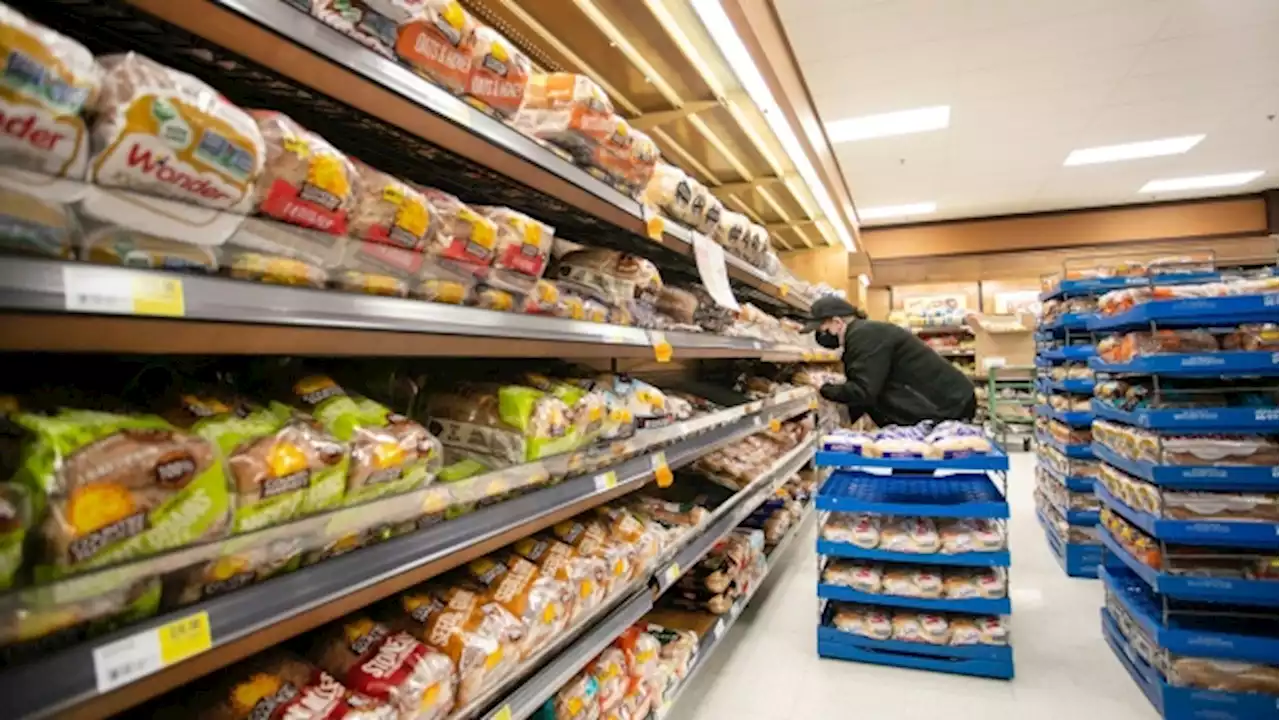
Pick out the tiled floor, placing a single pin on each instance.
(768, 668)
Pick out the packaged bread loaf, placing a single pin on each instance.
(276, 685)
(38, 226)
(242, 562)
(465, 234)
(49, 79)
(478, 637)
(15, 522)
(581, 588)
(438, 41)
(569, 111)
(499, 72)
(387, 210)
(386, 665)
(306, 181)
(515, 583)
(610, 671)
(522, 245)
(514, 423)
(590, 537)
(165, 133)
(111, 487)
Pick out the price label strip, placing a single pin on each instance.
(661, 470)
(775, 424)
(141, 654)
(671, 574)
(606, 481)
(504, 713)
(654, 224)
(662, 350)
(89, 289)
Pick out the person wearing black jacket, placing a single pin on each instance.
(890, 374)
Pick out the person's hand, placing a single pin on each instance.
(831, 392)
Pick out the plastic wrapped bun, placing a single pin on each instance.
(438, 42)
(390, 211)
(276, 684)
(306, 181)
(499, 72)
(672, 190)
(49, 79)
(165, 133)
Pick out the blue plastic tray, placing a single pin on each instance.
(1077, 452)
(1067, 321)
(1175, 703)
(1228, 363)
(1094, 286)
(1069, 352)
(995, 460)
(1075, 418)
(1215, 533)
(972, 559)
(1258, 593)
(1073, 483)
(1081, 517)
(1192, 312)
(1234, 420)
(1192, 477)
(955, 496)
(1182, 637)
(978, 660)
(1078, 561)
(1073, 385)
(981, 606)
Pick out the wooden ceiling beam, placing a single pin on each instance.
(653, 119)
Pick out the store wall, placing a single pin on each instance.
(877, 306)
(828, 265)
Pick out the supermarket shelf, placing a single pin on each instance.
(977, 660)
(1191, 312)
(956, 353)
(957, 496)
(1075, 452)
(1067, 321)
(1259, 593)
(731, 514)
(1073, 483)
(970, 559)
(1083, 387)
(260, 616)
(1076, 560)
(1070, 352)
(1193, 477)
(709, 645)
(782, 353)
(995, 460)
(1093, 286)
(1228, 363)
(1179, 703)
(1182, 637)
(1236, 419)
(942, 330)
(225, 316)
(1074, 418)
(1240, 534)
(985, 606)
(1079, 518)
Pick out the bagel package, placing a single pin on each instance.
(165, 133)
(48, 81)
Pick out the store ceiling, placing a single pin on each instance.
(1028, 81)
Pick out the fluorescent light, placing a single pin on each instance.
(862, 278)
(1201, 182)
(885, 211)
(1133, 151)
(739, 59)
(902, 122)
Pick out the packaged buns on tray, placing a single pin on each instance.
(165, 133)
(306, 181)
(275, 685)
(438, 41)
(515, 583)
(115, 486)
(48, 82)
(386, 665)
(499, 72)
(582, 578)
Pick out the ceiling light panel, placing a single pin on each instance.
(1133, 151)
(893, 211)
(901, 122)
(1201, 182)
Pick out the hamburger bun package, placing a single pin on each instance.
(276, 685)
(165, 133)
(47, 82)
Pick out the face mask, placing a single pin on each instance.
(827, 339)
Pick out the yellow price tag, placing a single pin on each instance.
(434, 502)
(813, 403)
(503, 714)
(672, 573)
(783, 290)
(661, 471)
(654, 224)
(775, 424)
(158, 295)
(662, 350)
(184, 638)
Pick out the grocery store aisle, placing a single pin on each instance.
(768, 669)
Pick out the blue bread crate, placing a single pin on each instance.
(977, 660)
(1257, 593)
(1097, 286)
(1079, 451)
(1071, 385)
(1217, 533)
(994, 460)
(1233, 420)
(954, 496)
(1227, 363)
(1191, 312)
(999, 558)
(1069, 352)
(1193, 477)
(981, 606)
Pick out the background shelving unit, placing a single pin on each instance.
(967, 487)
(1011, 396)
(1160, 619)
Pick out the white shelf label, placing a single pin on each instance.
(711, 267)
(89, 289)
(606, 481)
(718, 630)
(123, 661)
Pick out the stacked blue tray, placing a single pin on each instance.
(1157, 613)
(1066, 339)
(963, 487)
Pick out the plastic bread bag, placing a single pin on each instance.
(863, 577)
(49, 82)
(277, 684)
(278, 254)
(678, 647)
(31, 224)
(390, 454)
(49, 621)
(590, 538)
(682, 516)
(165, 133)
(875, 624)
(513, 423)
(306, 181)
(643, 653)
(911, 535)
(466, 235)
(992, 630)
(586, 407)
(387, 210)
(438, 41)
(731, 232)
(577, 700)
(606, 275)
(647, 404)
(499, 72)
(386, 665)
(523, 246)
(909, 627)
(359, 21)
(1222, 675)
(610, 672)
(515, 583)
(243, 562)
(479, 639)
(644, 158)
(913, 582)
(964, 631)
(569, 111)
(108, 487)
(558, 567)
(445, 281)
(672, 190)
